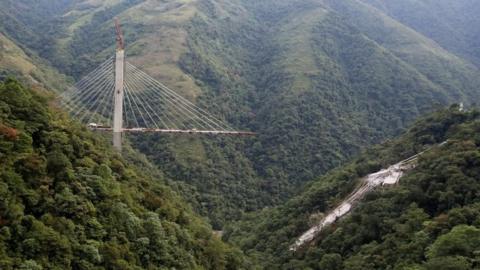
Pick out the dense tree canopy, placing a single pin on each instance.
(317, 80)
(68, 201)
(429, 221)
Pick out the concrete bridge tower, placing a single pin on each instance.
(119, 82)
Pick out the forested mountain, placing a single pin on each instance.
(69, 201)
(429, 221)
(452, 24)
(31, 69)
(318, 80)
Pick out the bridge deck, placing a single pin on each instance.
(181, 131)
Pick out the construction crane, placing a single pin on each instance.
(118, 29)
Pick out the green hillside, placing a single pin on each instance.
(314, 85)
(317, 80)
(424, 55)
(28, 67)
(429, 221)
(69, 201)
(452, 24)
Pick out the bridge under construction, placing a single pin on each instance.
(120, 98)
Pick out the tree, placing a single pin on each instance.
(331, 261)
(462, 240)
(448, 263)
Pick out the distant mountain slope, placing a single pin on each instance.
(30, 68)
(315, 85)
(69, 201)
(435, 63)
(452, 24)
(317, 79)
(429, 221)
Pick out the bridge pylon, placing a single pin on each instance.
(119, 93)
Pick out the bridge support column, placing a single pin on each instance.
(118, 102)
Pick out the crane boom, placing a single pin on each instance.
(118, 29)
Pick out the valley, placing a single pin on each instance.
(334, 91)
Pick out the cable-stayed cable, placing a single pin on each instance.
(180, 100)
(142, 89)
(148, 104)
(178, 103)
(145, 105)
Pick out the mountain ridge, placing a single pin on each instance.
(316, 89)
